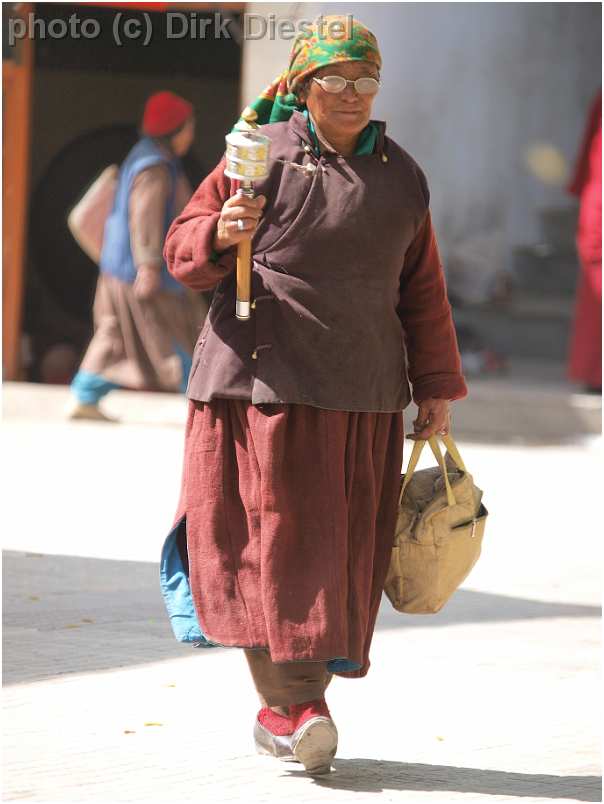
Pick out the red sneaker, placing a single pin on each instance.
(315, 739)
(273, 733)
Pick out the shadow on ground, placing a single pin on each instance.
(65, 614)
(375, 776)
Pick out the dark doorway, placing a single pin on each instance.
(88, 99)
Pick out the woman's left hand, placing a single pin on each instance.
(433, 418)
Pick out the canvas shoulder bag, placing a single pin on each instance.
(439, 531)
(87, 219)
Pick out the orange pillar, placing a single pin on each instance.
(17, 75)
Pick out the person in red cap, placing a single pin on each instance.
(146, 322)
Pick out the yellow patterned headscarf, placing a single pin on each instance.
(329, 40)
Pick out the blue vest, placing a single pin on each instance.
(116, 254)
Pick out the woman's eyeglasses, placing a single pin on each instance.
(334, 84)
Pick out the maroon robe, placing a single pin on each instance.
(293, 457)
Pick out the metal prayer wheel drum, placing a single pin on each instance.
(247, 155)
(246, 161)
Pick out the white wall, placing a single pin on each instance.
(468, 87)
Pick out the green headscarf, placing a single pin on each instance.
(318, 46)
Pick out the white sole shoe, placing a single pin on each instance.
(315, 744)
(272, 744)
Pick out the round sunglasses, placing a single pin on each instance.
(334, 84)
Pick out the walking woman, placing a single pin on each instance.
(585, 353)
(145, 322)
(294, 440)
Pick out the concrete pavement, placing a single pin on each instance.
(493, 699)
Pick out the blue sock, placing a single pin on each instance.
(88, 388)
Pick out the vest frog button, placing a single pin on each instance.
(259, 348)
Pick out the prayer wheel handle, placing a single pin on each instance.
(246, 160)
(244, 266)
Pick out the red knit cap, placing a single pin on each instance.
(164, 113)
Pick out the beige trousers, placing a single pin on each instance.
(279, 685)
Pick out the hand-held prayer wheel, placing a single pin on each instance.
(246, 160)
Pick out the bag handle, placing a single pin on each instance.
(453, 451)
(434, 446)
(417, 451)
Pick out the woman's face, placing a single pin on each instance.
(346, 113)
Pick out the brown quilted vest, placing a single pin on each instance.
(328, 256)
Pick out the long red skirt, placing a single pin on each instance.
(290, 516)
(585, 357)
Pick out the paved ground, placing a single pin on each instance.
(494, 699)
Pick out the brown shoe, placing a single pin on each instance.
(83, 412)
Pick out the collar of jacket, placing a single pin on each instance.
(299, 130)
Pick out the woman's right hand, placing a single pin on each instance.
(238, 207)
